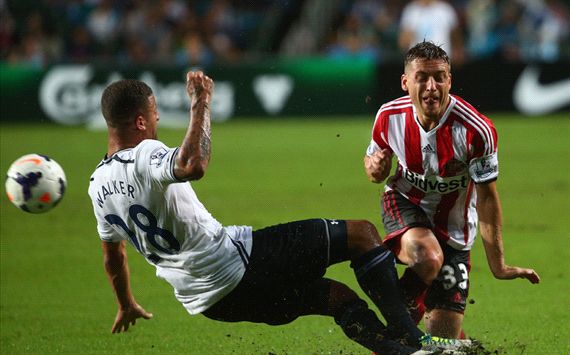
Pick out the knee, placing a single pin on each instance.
(366, 230)
(426, 261)
(362, 237)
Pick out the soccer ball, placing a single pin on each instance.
(35, 183)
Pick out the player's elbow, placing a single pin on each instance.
(192, 171)
(197, 172)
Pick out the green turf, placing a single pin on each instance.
(55, 297)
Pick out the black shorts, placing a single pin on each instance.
(450, 289)
(284, 277)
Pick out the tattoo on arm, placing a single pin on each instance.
(196, 147)
(205, 139)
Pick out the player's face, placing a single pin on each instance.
(428, 82)
(152, 117)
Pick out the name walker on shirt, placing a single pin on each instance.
(114, 187)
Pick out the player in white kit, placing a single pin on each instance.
(141, 194)
(443, 185)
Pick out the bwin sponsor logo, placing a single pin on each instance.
(436, 183)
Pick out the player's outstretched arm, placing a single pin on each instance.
(490, 221)
(194, 153)
(116, 266)
(378, 165)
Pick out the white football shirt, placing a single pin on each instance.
(430, 22)
(136, 197)
(437, 169)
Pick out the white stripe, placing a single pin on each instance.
(430, 204)
(329, 240)
(483, 124)
(398, 101)
(388, 106)
(477, 127)
(396, 133)
(373, 147)
(395, 107)
(459, 137)
(475, 119)
(430, 160)
(473, 115)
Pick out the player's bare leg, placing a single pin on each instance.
(420, 250)
(444, 323)
(374, 266)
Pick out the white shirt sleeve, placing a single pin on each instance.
(155, 161)
(372, 148)
(106, 232)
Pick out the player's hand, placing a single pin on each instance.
(514, 272)
(128, 316)
(198, 84)
(378, 165)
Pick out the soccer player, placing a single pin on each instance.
(444, 184)
(141, 194)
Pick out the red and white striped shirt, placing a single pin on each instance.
(437, 169)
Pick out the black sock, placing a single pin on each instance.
(377, 276)
(362, 325)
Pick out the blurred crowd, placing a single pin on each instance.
(201, 32)
(511, 30)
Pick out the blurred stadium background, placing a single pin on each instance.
(271, 58)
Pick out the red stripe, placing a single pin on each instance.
(398, 215)
(384, 203)
(381, 126)
(388, 201)
(413, 145)
(413, 155)
(444, 148)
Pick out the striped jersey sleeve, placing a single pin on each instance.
(380, 130)
(481, 142)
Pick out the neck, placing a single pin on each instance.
(427, 123)
(119, 141)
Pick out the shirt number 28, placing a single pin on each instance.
(167, 243)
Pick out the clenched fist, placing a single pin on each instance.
(378, 165)
(198, 84)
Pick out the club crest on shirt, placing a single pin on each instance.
(157, 156)
(454, 167)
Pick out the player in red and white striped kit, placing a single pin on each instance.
(443, 186)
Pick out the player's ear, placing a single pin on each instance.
(140, 123)
(404, 82)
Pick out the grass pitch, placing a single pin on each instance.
(55, 297)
